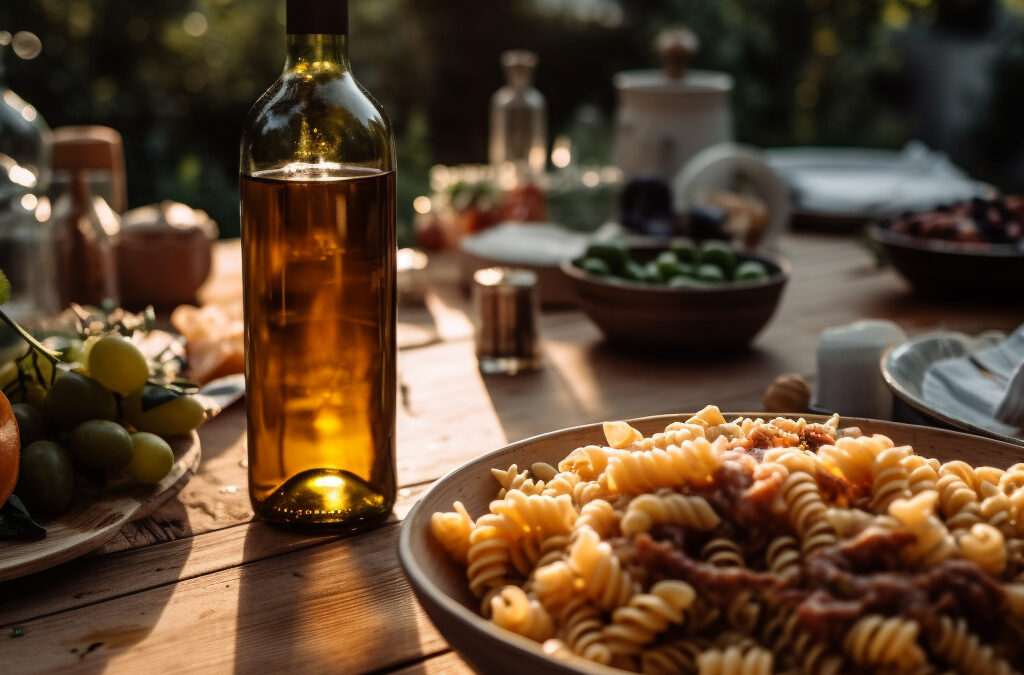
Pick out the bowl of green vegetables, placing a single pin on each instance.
(700, 297)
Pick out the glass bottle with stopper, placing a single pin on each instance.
(86, 226)
(319, 248)
(26, 238)
(519, 117)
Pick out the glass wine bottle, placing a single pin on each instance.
(319, 248)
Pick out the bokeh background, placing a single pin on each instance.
(177, 77)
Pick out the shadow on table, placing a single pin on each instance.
(271, 631)
(326, 604)
(596, 381)
(51, 606)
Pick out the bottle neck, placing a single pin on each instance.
(519, 76)
(310, 53)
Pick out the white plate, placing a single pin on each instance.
(904, 369)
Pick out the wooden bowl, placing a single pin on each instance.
(935, 267)
(441, 586)
(715, 318)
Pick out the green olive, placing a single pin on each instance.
(711, 273)
(595, 266)
(751, 270)
(720, 254)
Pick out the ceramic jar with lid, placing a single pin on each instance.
(667, 116)
(164, 254)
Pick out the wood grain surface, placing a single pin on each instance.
(197, 587)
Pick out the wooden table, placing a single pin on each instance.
(199, 587)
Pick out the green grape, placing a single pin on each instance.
(31, 423)
(118, 364)
(152, 458)
(46, 478)
(25, 379)
(8, 373)
(174, 417)
(101, 444)
(75, 398)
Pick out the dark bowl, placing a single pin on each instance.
(937, 267)
(716, 318)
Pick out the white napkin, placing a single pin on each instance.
(877, 186)
(985, 388)
(538, 244)
(1003, 358)
(1011, 409)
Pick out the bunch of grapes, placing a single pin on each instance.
(96, 420)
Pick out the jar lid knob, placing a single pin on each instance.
(676, 45)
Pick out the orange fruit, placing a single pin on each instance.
(10, 450)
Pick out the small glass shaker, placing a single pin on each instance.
(506, 310)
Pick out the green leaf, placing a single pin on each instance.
(5, 288)
(16, 523)
(154, 395)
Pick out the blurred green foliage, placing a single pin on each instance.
(177, 77)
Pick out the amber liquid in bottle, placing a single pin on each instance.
(320, 265)
(317, 173)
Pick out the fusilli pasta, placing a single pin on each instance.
(752, 546)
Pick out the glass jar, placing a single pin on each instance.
(519, 117)
(85, 233)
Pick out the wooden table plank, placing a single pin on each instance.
(197, 586)
(105, 577)
(340, 606)
(447, 663)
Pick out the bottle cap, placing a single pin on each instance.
(316, 17)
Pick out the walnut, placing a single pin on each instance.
(788, 393)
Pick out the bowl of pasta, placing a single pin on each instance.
(721, 543)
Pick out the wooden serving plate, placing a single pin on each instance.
(440, 584)
(94, 519)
